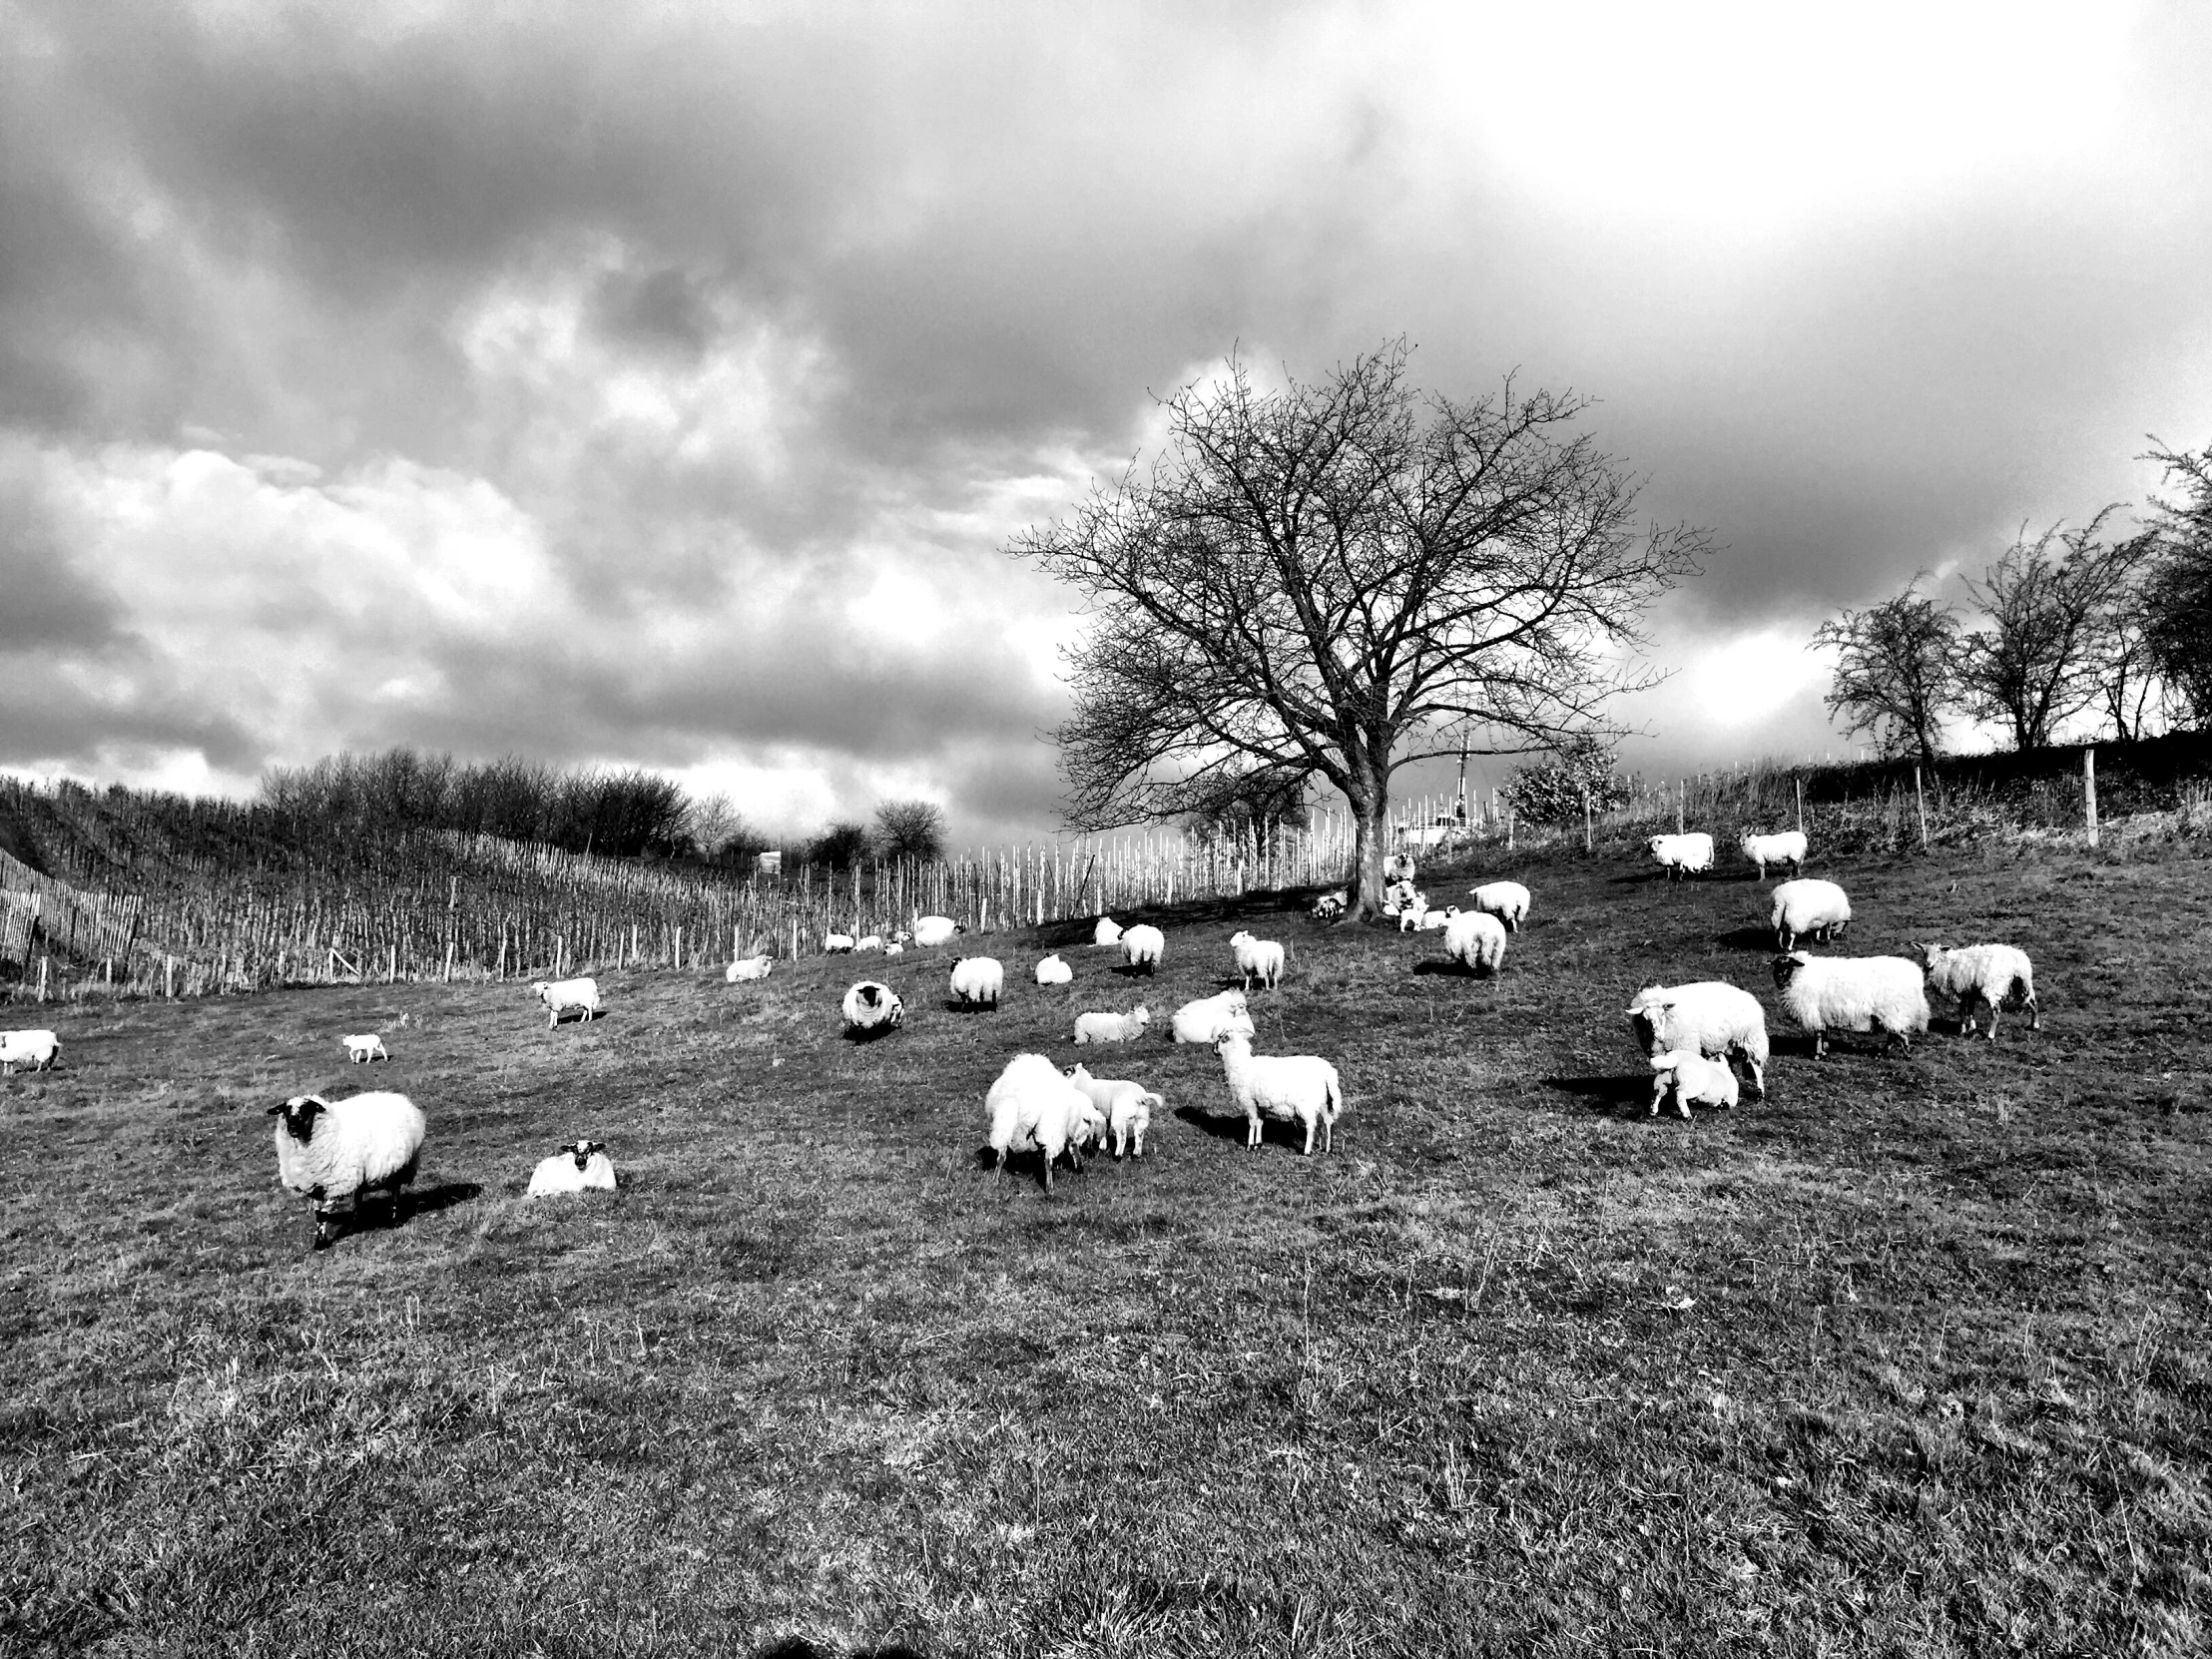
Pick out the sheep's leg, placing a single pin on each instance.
(1994, 1004)
(1658, 1094)
(1820, 1045)
(1252, 1130)
(1309, 1152)
(2034, 1014)
(1329, 1134)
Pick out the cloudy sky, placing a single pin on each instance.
(659, 383)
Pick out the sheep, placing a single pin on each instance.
(1421, 919)
(334, 1151)
(362, 1050)
(1690, 855)
(1476, 939)
(1055, 971)
(837, 944)
(1127, 1107)
(1692, 1079)
(1399, 897)
(1300, 1087)
(1991, 973)
(1507, 900)
(932, 930)
(1143, 947)
(562, 996)
(976, 980)
(1810, 907)
(1853, 993)
(1112, 1028)
(899, 935)
(580, 1166)
(1709, 1016)
(1787, 848)
(896, 947)
(1398, 867)
(1259, 959)
(1207, 1018)
(35, 1049)
(869, 942)
(746, 967)
(1032, 1107)
(871, 1009)
(1329, 907)
(1108, 931)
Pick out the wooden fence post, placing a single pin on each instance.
(1585, 815)
(1681, 795)
(1920, 805)
(2089, 791)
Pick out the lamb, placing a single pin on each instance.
(1055, 971)
(871, 1009)
(1108, 931)
(334, 1151)
(1853, 993)
(1690, 855)
(1300, 1087)
(977, 980)
(1143, 947)
(1204, 1021)
(362, 1050)
(1421, 919)
(932, 930)
(1810, 908)
(35, 1049)
(580, 1166)
(1259, 959)
(746, 967)
(1476, 939)
(1787, 848)
(1329, 907)
(1127, 1107)
(1507, 900)
(562, 996)
(1708, 1016)
(1112, 1028)
(837, 944)
(1692, 1079)
(1032, 1107)
(896, 947)
(869, 942)
(1991, 973)
(1398, 867)
(1399, 897)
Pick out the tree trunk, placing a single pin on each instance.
(1370, 842)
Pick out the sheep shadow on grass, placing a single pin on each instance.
(1231, 1128)
(1446, 968)
(1027, 1168)
(1748, 937)
(1625, 1095)
(798, 1647)
(431, 1201)
(956, 1005)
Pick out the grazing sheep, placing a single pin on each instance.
(1991, 973)
(1507, 900)
(1143, 947)
(1476, 939)
(334, 1151)
(1329, 907)
(977, 980)
(1398, 867)
(1032, 1107)
(360, 1050)
(1709, 1016)
(1259, 959)
(932, 930)
(1853, 993)
(1204, 1021)
(1300, 1087)
(1787, 848)
(837, 944)
(562, 996)
(1108, 931)
(580, 1166)
(871, 1008)
(1055, 971)
(1112, 1028)
(1690, 855)
(1692, 1079)
(746, 967)
(1809, 907)
(1127, 1107)
(869, 942)
(35, 1049)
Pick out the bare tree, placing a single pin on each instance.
(910, 830)
(1897, 669)
(2179, 588)
(1337, 579)
(2130, 684)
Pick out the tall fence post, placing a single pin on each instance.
(2089, 791)
(1681, 795)
(1800, 805)
(1585, 815)
(1920, 805)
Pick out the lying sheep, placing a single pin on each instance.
(1991, 973)
(35, 1049)
(1692, 1079)
(837, 944)
(563, 996)
(1690, 855)
(745, 968)
(336, 1150)
(1204, 1021)
(1112, 1028)
(1708, 1016)
(896, 947)
(580, 1166)
(871, 1009)
(1809, 907)
(360, 1050)
(1108, 931)
(932, 930)
(1476, 939)
(1507, 900)
(1853, 993)
(1055, 971)
(1423, 920)
(1329, 907)
(1259, 959)
(1299, 1087)
(1787, 848)
(977, 980)
(1127, 1107)
(1032, 1107)
(1143, 947)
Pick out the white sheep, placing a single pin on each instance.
(1507, 900)
(1398, 867)
(35, 1049)
(869, 942)
(1692, 1079)
(745, 968)
(977, 980)
(1300, 1087)
(1259, 959)
(896, 947)
(1853, 993)
(334, 1151)
(1143, 947)
(1112, 1028)
(1127, 1107)
(1055, 971)
(1690, 855)
(1423, 920)
(1709, 1016)
(1476, 939)
(362, 1050)
(1108, 931)
(1991, 973)
(1786, 848)
(1204, 1021)
(1809, 907)
(1033, 1108)
(933, 930)
(1401, 896)
(562, 996)
(899, 935)
(580, 1166)
(837, 944)
(1330, 905)
(871, 1008)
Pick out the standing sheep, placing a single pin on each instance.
(932, 930)
(35, 1049)
(1853, 993)
(1259, 959)
(1691, 1078)
(1991, 973)
(362, 1050)
(1811, 908)
(1507, 900)
(871, 1009)
(1112, 1028)
(837, 944)
(1142, 946)
(1300, 1087)
(1787, 847)
(977, 981)
(336, 1150)
(1127, 1107)
(1055, 971)
(1709, 1016)
(1476, 939)
(1690, 855)
(1032, 1107)
(566, 996)
(580, 1166)
(1204, 1021)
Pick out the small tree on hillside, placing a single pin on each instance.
(1897, 669)
(1552, 791)
(910, 830)
(840, 846)
(2179, 589)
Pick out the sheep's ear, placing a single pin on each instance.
(279, 1110)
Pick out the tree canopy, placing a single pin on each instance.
(1897, 669)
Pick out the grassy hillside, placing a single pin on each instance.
(1910, 1359)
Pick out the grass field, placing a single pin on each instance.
(1911, 1357)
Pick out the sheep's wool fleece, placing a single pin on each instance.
(364, 1140)
(559, 1174)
